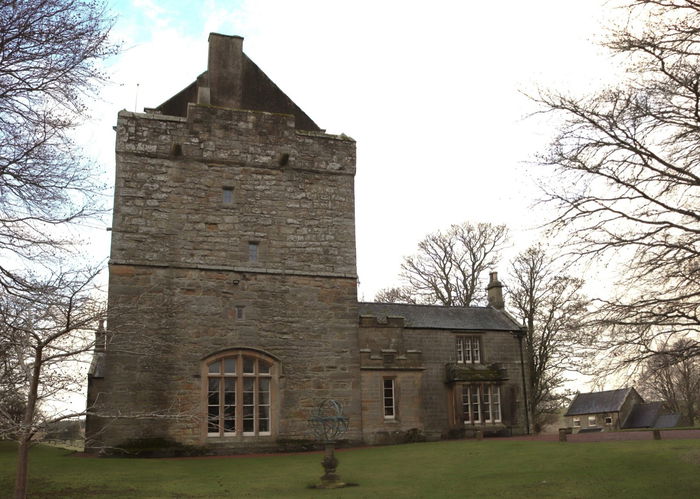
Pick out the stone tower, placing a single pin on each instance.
(232, 288)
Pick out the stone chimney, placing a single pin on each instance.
(224, 71)
(495, 292)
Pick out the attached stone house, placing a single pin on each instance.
(233, 290)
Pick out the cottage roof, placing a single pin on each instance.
(643, 415)
(667, 421)
(597, 402)
(441, 317)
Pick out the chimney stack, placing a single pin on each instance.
(494, 292)
(225, 71)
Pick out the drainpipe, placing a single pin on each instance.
(520, 334)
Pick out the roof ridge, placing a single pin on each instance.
(474, 307)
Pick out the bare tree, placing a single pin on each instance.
(449, 266)
(395, 295)
(50, 52)
(47, 334)
(627, 182)
(552, 306)
(675, 379)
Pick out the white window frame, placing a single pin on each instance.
(389, 398)
(261, 376)
(577, 422)
(468, 349)
(481, 403)
(592, 421)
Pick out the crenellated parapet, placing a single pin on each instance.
(233, 136)
(382, 345)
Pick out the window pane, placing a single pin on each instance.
(215, 367)
(230, 365)
(476, 410)
(248, 425)
(213, 419)
(487, 404)
(214, 388)
(230, 391)
(248, 404)
(263, 367)
(496, 403)
(230, 419)
(466, 411)
(248, 365)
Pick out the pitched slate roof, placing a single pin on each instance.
(643, 415)
(440, 317)
(592, 403)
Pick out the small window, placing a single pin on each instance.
(253, 251)
(240, 312)
(227, 195)
(591, 421)
(389, 398)
(468, 350)
(608, 420)
(577, 421)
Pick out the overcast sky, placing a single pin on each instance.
(431, 92)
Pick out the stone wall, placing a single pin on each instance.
(292, 193)
(419, 359)
(180, 271)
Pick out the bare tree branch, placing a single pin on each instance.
(50, 52)
(626, 180)
(449, 266)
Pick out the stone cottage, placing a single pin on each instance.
(233, 290)
(612, 410)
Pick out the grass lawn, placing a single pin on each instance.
(462, 468)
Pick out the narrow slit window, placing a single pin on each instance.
(253, 251)
(227, 195)
(240, 312)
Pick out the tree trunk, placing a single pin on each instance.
(26, 432)
(22, 468)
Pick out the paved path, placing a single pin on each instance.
(615, 436)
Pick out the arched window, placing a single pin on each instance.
(240, 386)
